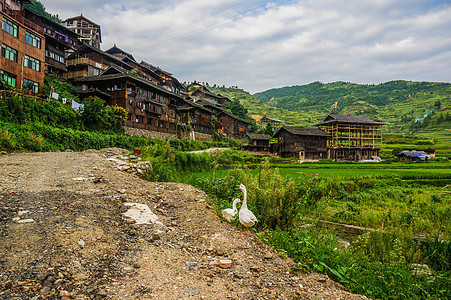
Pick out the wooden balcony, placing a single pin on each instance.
(85, 61)
(19, 16)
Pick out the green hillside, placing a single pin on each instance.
(401, 103)
(396, 102)
(257, 107)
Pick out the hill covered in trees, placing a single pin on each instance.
(420, 108)
(400, 103)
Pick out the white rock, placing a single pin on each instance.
(25, 221)
(141, 213)
(80, 179)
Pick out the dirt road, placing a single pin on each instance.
(63, 236)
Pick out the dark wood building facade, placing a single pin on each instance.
(194, 115)
(353, 137)
(59, 41)
(275, 123)
(230, 125)
(258, 142)
(149, 106)
(90, 61)
(169, 81)
(88, 31)
(23, 48)
(301, 143)
(202, 92)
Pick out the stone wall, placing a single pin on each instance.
(197, 136)
(149, 134)
(166, 136)
(203, 137)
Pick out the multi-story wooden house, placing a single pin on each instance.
(59, 41)
(353, 137)
(88, 31)
(169, 81)
(206, 94)
(301, 143)
(141, 70)
(230, 125)
(149, 106)
(90, 61)
(276, 124)
(226, 123)
(194, 115)
(258, 142)
(200, 91)
(23, 48)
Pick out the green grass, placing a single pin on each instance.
(432, 170)
(377, 263)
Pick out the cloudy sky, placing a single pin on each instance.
(258, 45)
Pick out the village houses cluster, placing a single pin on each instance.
(158, 105)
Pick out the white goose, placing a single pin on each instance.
(247, 218)
(230, 213)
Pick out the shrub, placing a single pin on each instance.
(6, 141)
(273, 200)
(32, 141)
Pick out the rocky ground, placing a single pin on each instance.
(63, 235)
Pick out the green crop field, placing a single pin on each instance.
(419, 171)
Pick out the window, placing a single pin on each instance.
(32, 63)
(9, 53)
(33, 40)
(54, 56)
(31, 86)
(9, 27)
(61, 36)
(9, 78)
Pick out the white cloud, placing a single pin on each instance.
(259, 46)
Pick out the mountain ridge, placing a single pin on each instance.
(420, 108)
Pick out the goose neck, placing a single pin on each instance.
(244, 198)
(234, 203)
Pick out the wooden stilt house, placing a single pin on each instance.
(353, 137)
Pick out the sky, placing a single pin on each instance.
(258, 45)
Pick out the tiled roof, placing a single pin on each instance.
(115, 60)
(271, 119)
(124, 76)
(153, 68)
(257, 136)
(233, 116)
(302, 131)
(115, 48)
(332, 118)
(414, 154)
(193, 104)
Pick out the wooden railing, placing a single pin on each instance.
(87, 61)
(19, 16)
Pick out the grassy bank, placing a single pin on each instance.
(381, 264)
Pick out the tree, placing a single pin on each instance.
(268, 129)
(238, 109)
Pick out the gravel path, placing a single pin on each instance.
(63, 236)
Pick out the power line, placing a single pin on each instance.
(208, 27)
(199, 21)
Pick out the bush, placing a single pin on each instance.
(274, 201)
(359, 267)
(6, 141)
(32, 141)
